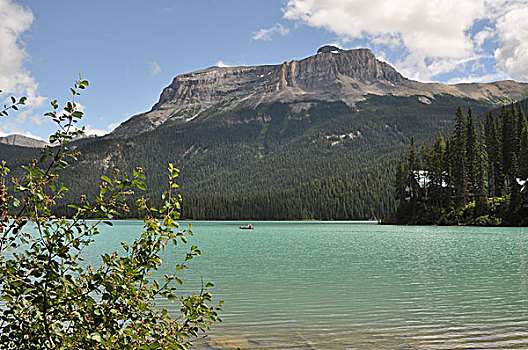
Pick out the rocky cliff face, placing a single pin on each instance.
(330, 75)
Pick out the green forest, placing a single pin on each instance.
(477, 176)
(317, 160)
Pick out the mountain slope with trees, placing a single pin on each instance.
(328, 161)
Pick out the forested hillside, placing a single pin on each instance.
(309, 160)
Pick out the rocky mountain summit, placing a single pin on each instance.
(332, 74)
(329, 48)
(21, 140)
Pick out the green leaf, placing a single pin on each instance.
(96, 336)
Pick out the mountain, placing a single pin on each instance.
(316, 138)
(21, 140)
(330, 75)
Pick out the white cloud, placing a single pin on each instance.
(14, 78)
(512, 28)
(21, 132)
(478, 65)
(437, 36)
(432, 28)
(391, 40)
(222, 64)
(266, 34)
(38, 120)
(90, 131)
(112, 126)
(167, 11)
(155, 68)
(481, 37)
(477, 78)
(415, 66)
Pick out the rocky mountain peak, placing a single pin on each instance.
(360, 65)
(333, 74)
(329, 48)
(21, 140)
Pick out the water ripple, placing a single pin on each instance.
(344, 286)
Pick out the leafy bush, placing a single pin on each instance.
(49, 298)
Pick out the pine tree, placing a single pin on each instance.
(401, 182)
(508, 144)
(448, 160)
(493, 148)
(523, 148)
(520, 123)
(459, 158)
(492, 189)
(471, 153)
(515, 195)
(413, 168)
(425, 169)
(481, 195)
(436, 170)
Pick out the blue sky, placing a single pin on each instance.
(130, 50)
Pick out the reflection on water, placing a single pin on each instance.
(313, 285)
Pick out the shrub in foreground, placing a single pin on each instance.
(50, 299)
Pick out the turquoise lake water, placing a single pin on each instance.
(341, 285)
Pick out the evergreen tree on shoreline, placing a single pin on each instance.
(474, 177)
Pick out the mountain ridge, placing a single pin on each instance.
(23, 141)
(330, 75)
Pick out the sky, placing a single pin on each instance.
(130, 50)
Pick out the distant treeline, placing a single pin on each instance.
(475, 177)
(356, 196)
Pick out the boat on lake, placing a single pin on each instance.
(248, 227)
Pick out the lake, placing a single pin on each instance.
(347, 285)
